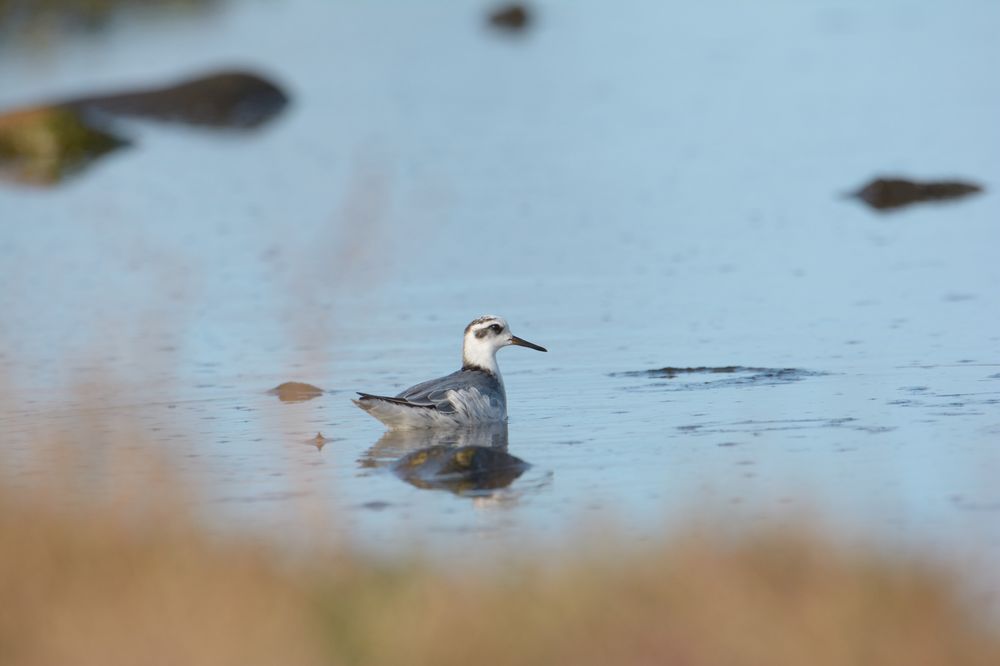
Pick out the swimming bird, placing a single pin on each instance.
(473, 395)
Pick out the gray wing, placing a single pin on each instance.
(434, 393)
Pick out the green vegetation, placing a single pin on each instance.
(44, 144)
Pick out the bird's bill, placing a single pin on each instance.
(514, 340)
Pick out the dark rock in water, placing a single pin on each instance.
(889, 193)
(513, 17)
(461, 470)
(237, 100)
(43, 145)
(296, 392)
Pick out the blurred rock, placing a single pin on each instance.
(513, 17)
(42, 145)
(296, 392)
(239, 100)
(888, 193)
(462, 470)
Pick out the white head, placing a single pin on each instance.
(483, 338)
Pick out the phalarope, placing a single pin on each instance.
(475, 394)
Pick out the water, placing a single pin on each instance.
(633, 189)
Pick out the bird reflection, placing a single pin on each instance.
(466, 461)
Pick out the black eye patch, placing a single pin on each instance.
(494, 329)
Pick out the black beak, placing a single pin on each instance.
(514, 340)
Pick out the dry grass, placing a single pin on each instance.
(772, 600)
(109, 584)
(105, 585)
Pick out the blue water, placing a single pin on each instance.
(657, 185)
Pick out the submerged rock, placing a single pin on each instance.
(673, 372)
(670, 371)
(296, 392)
(738, 375)
(462, 470)
(513, 17)
(888, 193)
(239, 100)
(43, 145)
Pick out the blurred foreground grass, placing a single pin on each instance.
(128, 576)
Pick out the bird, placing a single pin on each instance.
(471, 396)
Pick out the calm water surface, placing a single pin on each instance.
(632, 188)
